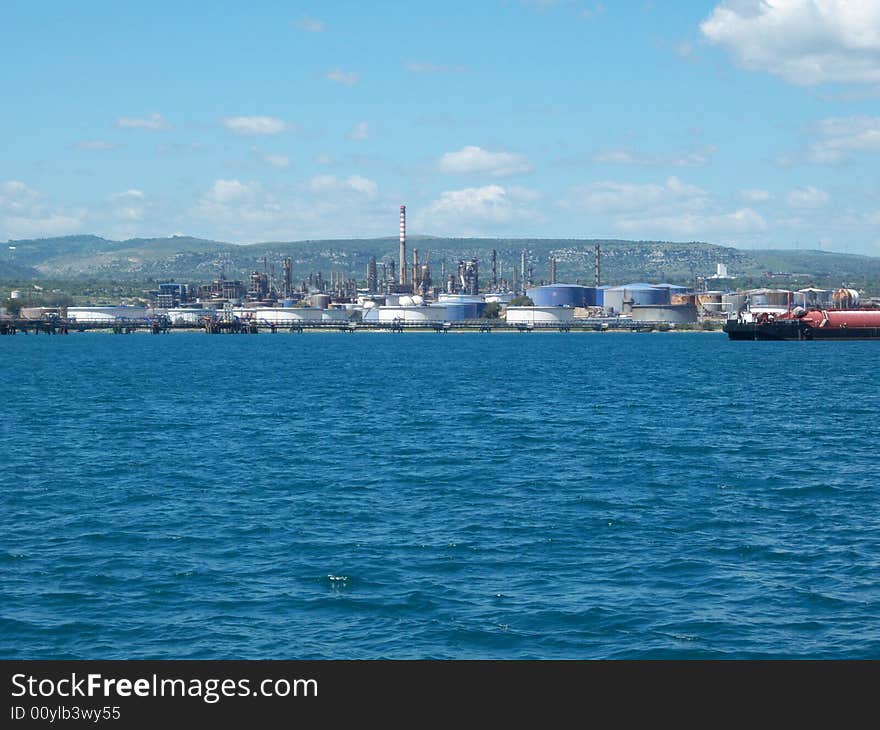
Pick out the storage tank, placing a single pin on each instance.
(672, 313)
(540, 315)
(843, 318)
(618, 298)
(284, 315)
(461, 311)
(321, 301)
(557, 295)
(100, 315)
(426, 314)
(843, 298)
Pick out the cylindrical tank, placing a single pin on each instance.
(539, 315)
(413, 315)
(673, 313)
(843, 298)
(618, 298)
(105, 314)
(843, 317)
(461, 311)
(321, 301)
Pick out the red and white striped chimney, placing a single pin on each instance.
(403, 265)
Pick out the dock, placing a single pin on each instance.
(216, 326)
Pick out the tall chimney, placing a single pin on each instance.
(552, 269)
(494, 270)
(596, 284)
(403, 265)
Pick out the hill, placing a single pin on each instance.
(193, 259)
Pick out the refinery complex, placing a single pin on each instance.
(408, 293)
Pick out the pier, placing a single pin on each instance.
(59, 326)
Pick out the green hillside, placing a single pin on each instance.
(192, 259)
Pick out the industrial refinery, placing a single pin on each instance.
(412, 293)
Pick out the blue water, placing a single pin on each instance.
(438, 496)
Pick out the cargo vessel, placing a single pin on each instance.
(806, 324)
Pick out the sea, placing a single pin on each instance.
(438, 496)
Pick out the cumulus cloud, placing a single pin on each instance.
(612, 197)
(360, 131)
(839, 139)
(129, 205)
(472, 160)
(754, 195)
(231, 191)
(25, 213)
(352, 183)
(674, 208)
(694, 158)
(310, 25)
(467, 210)
(255, 125)
(805, 42)
(692, 224)
(153, 122)
(324, 206)
(279, 162)
(347, 78)
(806, 197)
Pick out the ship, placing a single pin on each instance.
(802, 323)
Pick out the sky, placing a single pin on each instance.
(747, 123)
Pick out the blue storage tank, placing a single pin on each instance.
(461, 311)
(565, 295)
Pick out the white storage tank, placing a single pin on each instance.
(283, 315)
(671, 313)
(100, 315)
(425, 314)
(539, 315)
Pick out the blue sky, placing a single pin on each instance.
(741, 123)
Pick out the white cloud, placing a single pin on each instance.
(842, 137)
(754, 195)
(472, 160)
(95, 144)
(695, 158)
(24, 213)
(153, 122)
(464, 211)
(805, 42)
(806, 197)
(352, 183)
(691, 224)
(325, 206)
(280, 162)
(359, 131)
(310, 25)
(348, 78)
(129, 205)
(255, 125)
(612, 197)
(232, 191)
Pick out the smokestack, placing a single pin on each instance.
(402, 270)
(552, 269)
(596, 284)
(522, 270)
(494, 270)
